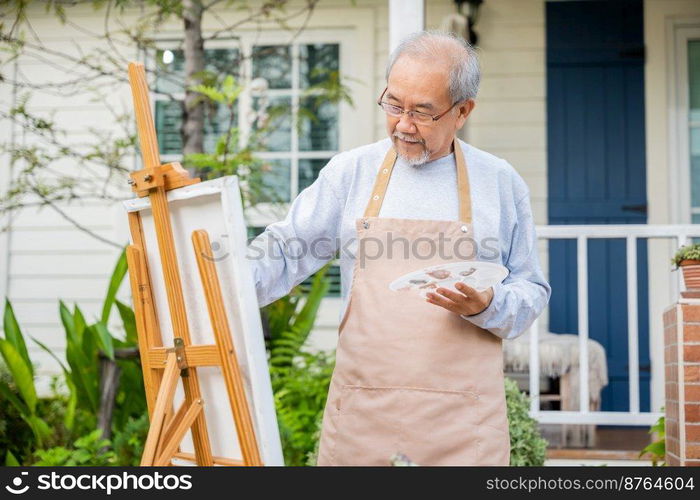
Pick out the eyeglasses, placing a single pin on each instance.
(417, 116)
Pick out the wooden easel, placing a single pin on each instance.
(164, 367)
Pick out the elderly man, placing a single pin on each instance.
(413, 375)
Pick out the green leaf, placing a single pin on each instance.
(10, 460)
(210, 92)
(52, 354)
(82, 360)
(656, 448)
(231, 90)
(39, 427)
(129, 321)
(14, 400)
(307, 316)
(69, 416)
(80, 324)
(104, 339)
(21, 374)
(114, 284)
(72, 404)
(90, 346)
(659, 427)
(68, 323)
(14, 335)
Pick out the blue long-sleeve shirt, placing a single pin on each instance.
(321, 221)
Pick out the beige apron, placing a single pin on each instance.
(412, 377)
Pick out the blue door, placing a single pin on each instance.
(597, 173)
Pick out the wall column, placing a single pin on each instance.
(682, 382)
(405, 17)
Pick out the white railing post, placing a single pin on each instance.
(582, 274)
(534, 367)
(682, 234)
(632, 324)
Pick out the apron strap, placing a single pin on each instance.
(382, 182)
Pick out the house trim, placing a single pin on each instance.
(679, 31)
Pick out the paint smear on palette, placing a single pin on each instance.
(477, 274)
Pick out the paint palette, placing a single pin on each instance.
(477, 274)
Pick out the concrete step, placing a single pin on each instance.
(594, 457)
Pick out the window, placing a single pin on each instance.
(293, 154)
(694, 125)
(168, 112)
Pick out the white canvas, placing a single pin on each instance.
(216, 207)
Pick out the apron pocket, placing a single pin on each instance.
(429, 426)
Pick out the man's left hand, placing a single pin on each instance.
(466, 300)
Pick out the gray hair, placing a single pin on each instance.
(464, 72)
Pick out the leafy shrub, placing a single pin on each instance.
(300, 379)
(18, 390)
(90, 449)
(129, 441)
(29, 423)
(527, 447)
(16, 436)
(300, 399)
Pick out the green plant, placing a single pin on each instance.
(687, 252)
(90, 449)
(300, 379)
(527, 447)
(16, 436)
(657, 449)
(72, 409)
(19, 391)
(312, 456)
(84, 343)
(300, 397)
(129, 441)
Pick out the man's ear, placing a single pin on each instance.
(464, 110)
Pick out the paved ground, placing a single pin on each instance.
(558, 462)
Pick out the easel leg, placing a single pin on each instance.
(144, 312)
(229, 362)
(177, 430)
(163, 401)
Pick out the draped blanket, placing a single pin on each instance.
(559, 355)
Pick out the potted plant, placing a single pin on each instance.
(688, 259)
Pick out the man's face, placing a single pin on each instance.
(420, 85)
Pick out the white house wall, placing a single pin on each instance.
(48, 257)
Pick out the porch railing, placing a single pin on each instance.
(680, 235)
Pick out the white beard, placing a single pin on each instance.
(412, 160)
(415, 160)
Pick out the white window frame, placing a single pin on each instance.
(682, 210)
(265, 213)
